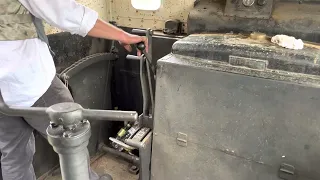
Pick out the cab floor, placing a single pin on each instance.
(117, 168)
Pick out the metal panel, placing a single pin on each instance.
(125, 15)
(237, 126)
(287, 18)
(203, 164)
(91, 88)
(249, 8)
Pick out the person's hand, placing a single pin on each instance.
(133, 39)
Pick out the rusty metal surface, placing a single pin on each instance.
(249, 8)
(290, 18)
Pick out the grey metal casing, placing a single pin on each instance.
(213, 121)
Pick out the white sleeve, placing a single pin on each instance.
(66, 15)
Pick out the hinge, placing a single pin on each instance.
(182, 139)
(287, 172)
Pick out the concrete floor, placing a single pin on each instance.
(117, 168)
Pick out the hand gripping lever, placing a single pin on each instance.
(69, 132)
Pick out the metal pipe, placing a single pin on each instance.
(149, 54)
(130, 158)
(109, 115)
(71, 147)
(134, 143)
(75, 166)
(150, 85)
(17, 111)
(145, 89)
(133, 57)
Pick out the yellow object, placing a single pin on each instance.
(122, 132)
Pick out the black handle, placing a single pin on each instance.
(139, 32)
(141, 46)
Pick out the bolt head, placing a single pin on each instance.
(53, 125)
(248, 3)
(66, 134)
(262, 2)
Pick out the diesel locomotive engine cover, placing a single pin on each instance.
(229, 107)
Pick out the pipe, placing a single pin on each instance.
(145, 89)
(17, 111)
(110, 115)
(130, 158)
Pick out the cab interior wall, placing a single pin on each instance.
(125, 90)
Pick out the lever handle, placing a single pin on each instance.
(139, 31)
(141, 46)
(70, 112)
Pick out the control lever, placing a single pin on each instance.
(69, 132)
(146, 84)
(147, 77)
(142, 47)
(148, 33)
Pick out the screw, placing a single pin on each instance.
(84, 121)
(66, 134)
(262, 2)
(53, 125)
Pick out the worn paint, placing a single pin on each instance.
(126, 15)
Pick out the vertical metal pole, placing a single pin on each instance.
(75, 166)
(144, 87)
(71, 145)
(145, 148)
(145, 158)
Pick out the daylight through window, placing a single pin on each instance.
(150, 5)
